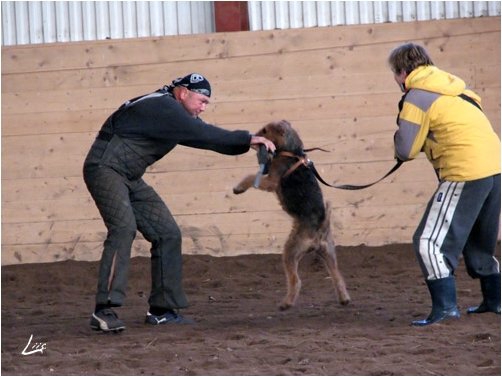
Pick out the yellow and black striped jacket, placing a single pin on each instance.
(455, 135)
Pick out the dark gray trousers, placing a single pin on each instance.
(462, 218)
(127, 206)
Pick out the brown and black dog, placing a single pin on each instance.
(301, 197)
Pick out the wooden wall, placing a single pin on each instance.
(332, 83)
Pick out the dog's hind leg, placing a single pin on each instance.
(296, 246)
(327, 252)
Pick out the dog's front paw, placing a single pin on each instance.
(244, 184)
(239, 190)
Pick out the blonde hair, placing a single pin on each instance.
(407, 57)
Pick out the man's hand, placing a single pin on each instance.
(256, 141)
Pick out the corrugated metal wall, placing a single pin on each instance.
(25, 22)
(268, 15)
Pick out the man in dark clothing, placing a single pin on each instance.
(136, 135)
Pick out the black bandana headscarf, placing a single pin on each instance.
(194, 82)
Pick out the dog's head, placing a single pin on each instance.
(283, 136)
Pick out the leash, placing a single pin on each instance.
(354, 187)
(309, 164)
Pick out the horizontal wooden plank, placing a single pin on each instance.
(331, 63)
(42, 154)
(217, 181)
(272, 221)
(293, 89)
(91, 251)
(91, 121)
(61, 56)
(340, 128)
(313, 109)
(242, 77)
(233, 245)
(206, 202)
(333, 135)
(343, 106)
(54, 122)
(231, 77)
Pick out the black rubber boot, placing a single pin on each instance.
(490, 287)
(444, 301)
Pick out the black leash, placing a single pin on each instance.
(352, 187)
(309, 164)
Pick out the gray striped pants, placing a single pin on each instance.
(462, 218)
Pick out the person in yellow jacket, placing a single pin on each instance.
(439, 116)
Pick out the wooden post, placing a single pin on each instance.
(231, 16)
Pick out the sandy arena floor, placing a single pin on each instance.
(239, 330)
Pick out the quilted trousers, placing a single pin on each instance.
(127, 206)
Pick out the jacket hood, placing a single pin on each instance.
(433, 79)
